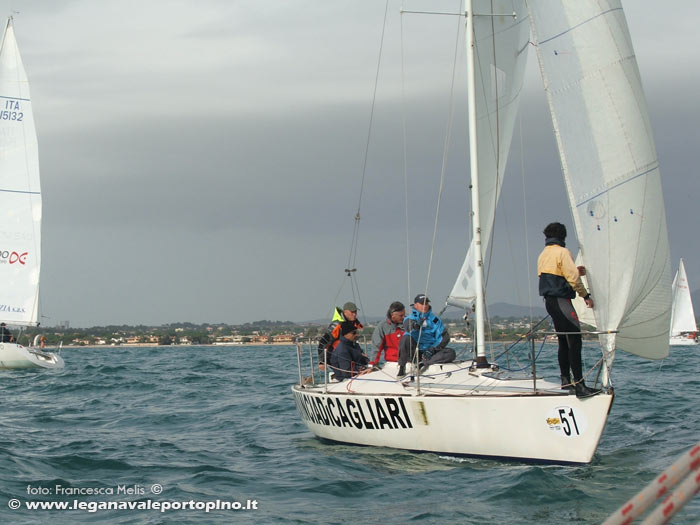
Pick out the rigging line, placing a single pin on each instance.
(527, 242)
(405, 160)
(352, 257)
(355, 287)
(335, 299)
(448, 135)
(374, 100)
(353, 246)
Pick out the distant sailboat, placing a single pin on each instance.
(20, 210)
(684, 331)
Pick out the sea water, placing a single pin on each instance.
(177, 431)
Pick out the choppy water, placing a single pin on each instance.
(219, 423)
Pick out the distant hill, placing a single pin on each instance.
(504, 310)
(514, 310)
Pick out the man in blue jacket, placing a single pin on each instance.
(424, 331)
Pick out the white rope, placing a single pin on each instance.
(527, 241)
(405, 161)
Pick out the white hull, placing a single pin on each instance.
(17, 356)
(459, 411)
(682, 340)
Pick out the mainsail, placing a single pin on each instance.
(20, 191)
(682, 314)
(610, 167)
(501, 44)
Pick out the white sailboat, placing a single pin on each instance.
(609, 164)
(20, 210)
(684, 330)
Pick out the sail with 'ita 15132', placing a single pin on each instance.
(20, 210)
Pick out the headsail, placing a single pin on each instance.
(682, 314)
(501, 55)
(20, 191)
(610, 167)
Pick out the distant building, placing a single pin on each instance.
(283, 338)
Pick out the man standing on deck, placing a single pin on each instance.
(560, 281)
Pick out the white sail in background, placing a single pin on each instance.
(682, 314)
(610, 166)
(500, 66)
(20, 191)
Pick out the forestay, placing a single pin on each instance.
(610, 167)
(20, 192)
(501, 55)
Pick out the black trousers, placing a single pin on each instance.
(565, 320)
(407, 353)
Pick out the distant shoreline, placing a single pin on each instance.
(152, 345)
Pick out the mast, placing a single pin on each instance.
(473, 168)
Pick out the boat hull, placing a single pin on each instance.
(537, 427)
(682, 340)
(17, 356)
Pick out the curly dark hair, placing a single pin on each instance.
(556, 230)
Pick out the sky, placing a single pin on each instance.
(202, 161)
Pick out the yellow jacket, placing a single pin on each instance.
(558, 273)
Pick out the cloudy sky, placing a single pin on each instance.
(202, 160)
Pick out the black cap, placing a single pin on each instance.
(421, 298)
(346, 327)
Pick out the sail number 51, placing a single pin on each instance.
(565, 418)
(564, 421)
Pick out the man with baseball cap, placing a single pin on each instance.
(347, 360)
(426, 332)
(329, 340)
